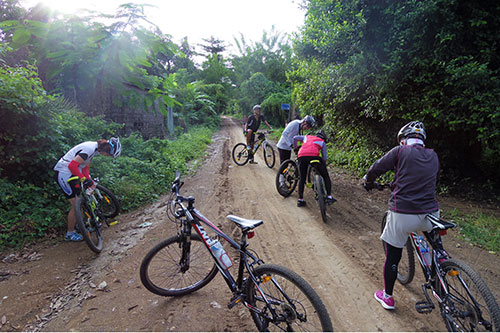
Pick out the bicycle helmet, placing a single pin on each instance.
(414, 129)
(309, 120)
(321, 134)
(257, 106)
(116, 147)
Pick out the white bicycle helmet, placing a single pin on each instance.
(309, 120)
(414, 129)
(116, 147)
(257, 106)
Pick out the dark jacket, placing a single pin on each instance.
(416, 171)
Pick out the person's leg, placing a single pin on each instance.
(324, 173)
(392, 258)
(250, 143)
(303, 164)
(284, 155)
(249, 138)
(71, 215)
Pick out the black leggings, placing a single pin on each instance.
(392, 258)
(284, 155)
(303, 164)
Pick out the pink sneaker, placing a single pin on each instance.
(387, 302)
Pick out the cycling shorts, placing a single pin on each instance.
(398, 226)
(71, 188)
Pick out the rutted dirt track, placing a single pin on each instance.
(59, 286)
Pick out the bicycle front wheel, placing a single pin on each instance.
(287, 178)
(320, 195)
(406, 267)
(161, 271)
(91, 230)
(269, 156)
(296, 306)
(109, 204)
(240, 154)
(470, 305)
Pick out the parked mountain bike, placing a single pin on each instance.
(465, 301)
(288, 177)
(241, 154)
(277, 298)
(92, 212)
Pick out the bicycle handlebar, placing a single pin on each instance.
(369, 186)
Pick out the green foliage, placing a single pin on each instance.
(477, 228)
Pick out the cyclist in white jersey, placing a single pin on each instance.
(73, 168)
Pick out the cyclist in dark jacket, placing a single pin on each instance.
(413, 197)
(251, 126)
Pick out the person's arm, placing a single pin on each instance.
(323, 151)
(296, 140)
(382, 165)
(269, 126)
(74, 166)
(86, 172)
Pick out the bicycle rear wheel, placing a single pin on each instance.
(109, 204)
(287, 178)
(240, 154)
(91, 230)
(269, 156)
(470, 305)
(320, 195)
(296, 304)
(161, 270)
(406, 267)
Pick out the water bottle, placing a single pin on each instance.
(221, 255)
(424, 251)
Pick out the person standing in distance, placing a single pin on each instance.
(251, 126)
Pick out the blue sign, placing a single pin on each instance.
(285, 107)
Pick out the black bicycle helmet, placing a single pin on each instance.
(321, 134)
(414, 129)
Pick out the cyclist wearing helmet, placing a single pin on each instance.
(251, 126)
(293, 128)
(310, 150)
(413, 197)
(74, 167)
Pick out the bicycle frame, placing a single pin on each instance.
(195, 220)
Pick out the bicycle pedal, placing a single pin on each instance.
(235, 300)
(113, 223)
(424, 307)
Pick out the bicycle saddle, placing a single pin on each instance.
(244, 223)
(438, 223)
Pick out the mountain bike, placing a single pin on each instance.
(288, 177)
(241, 154)
(92, 211)
(277, 298)
(464, 299)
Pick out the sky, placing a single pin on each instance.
(199, 19)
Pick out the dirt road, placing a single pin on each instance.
(64, 286)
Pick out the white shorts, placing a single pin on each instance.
(398, 226)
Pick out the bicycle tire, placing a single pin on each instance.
(109, 204)
(320, 195)
(92, 233)
(304, 313)
(269, 156)
(161, 266)
(460, 303)
(290, 172)
(406, 267)
(240, 154)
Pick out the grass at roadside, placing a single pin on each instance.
(477, 228)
